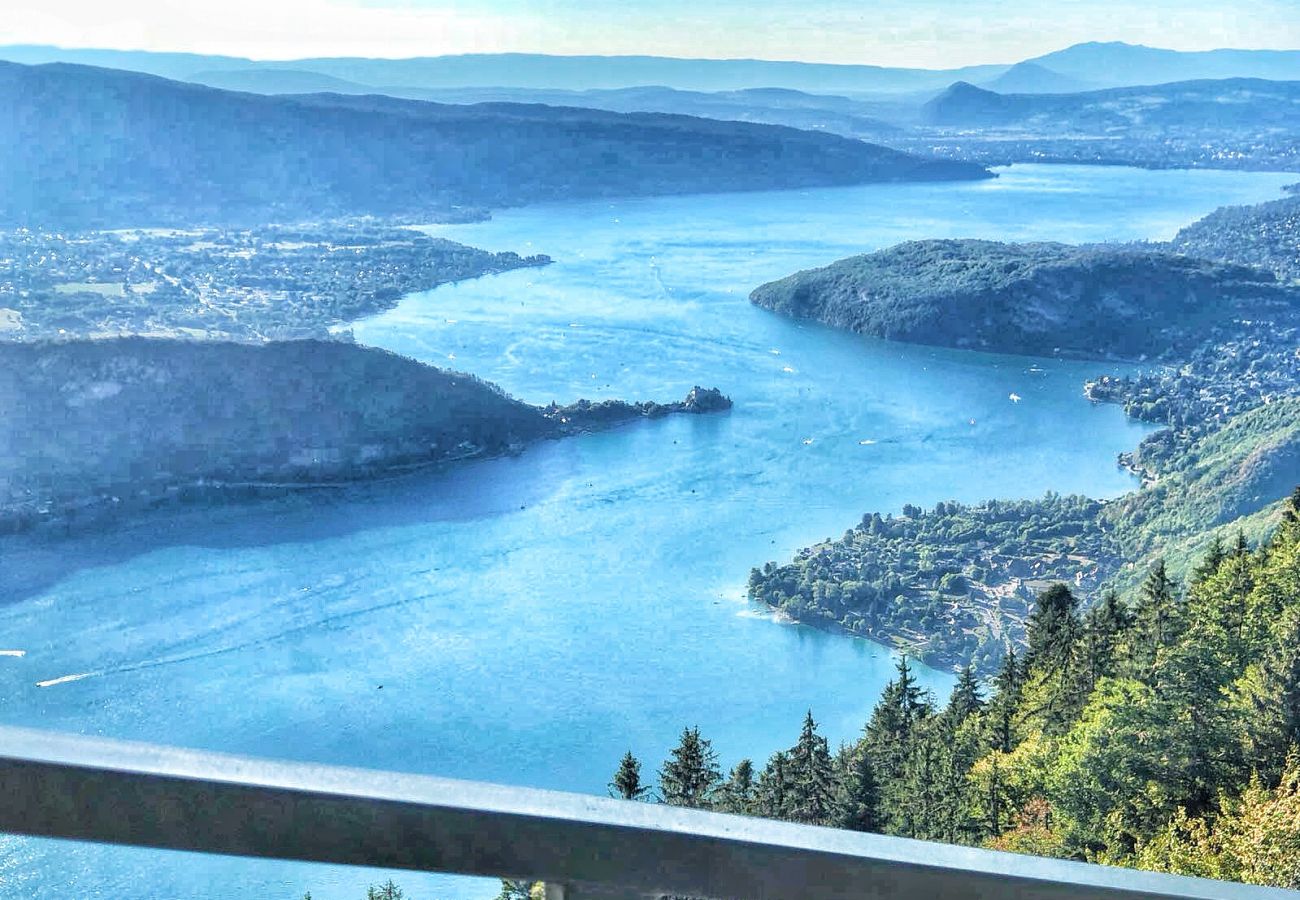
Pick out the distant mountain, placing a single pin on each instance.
(1118, 64)
(967, 106)
(770, 106)
(1035, 299)
(1093, 64)
(1032, 78)
(87, 146)
(1201, 105)
(167, 65)
(530, 70)
(279, 81)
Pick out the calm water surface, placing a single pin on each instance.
(527, 620)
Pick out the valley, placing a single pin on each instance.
(346, 386)
(593, 585)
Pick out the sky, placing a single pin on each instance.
(922, 33)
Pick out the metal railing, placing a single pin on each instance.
(65, 786)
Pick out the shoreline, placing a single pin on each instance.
(87, 514)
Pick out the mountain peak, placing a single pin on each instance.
(1035, 78)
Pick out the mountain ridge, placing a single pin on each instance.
(1103, 64)
(138, 149)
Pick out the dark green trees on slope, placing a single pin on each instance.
(1095, 302)
(1159, 731)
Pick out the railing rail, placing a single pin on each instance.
(65, 786)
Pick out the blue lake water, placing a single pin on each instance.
(531, 618)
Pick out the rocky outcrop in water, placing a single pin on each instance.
(585, 415)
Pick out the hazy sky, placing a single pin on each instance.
(932, 33)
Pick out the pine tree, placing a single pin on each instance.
(957, 747)
(1004, 704)
(1103, 627)
(385, 891)
(772, 795)
(911, 801)
(811, 777)
(902, 705)
(1268, 698)
(1155, 623)
(627, 780)
(1217, 608)
(690, 777)
(1215, 554)
(889, 739)
(994, 802)
(965, 700)
(857, 798)
(1241, 547)
(739, 791)
(1051, 630)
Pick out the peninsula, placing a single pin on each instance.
(92, 427)
(955, 584)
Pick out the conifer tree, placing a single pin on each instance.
(512, 889)
(690, 776)
(1104, 626)
(627, 780)
(811, 777)
(1155, 623)
(1003, 705)
(889, 738)
(772, 795)
(1241, 547)
(1052, 657)
(901, 706)
(738, 794)
(911, 801)
(857, 801)
(994, 802)
(957, 747)
(385, 891)
(1215, 554)
(1268, 701)
(1051, 630)
(1291, 509)
(965, 700)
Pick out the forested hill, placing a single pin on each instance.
(100, 147)
(92, 425)
(1219, 105)
(954, 584)
(1263, 234)
(1157, 729)
(1033, 299)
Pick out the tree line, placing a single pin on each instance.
(1158, 730)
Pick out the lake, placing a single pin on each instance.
(529, 619)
